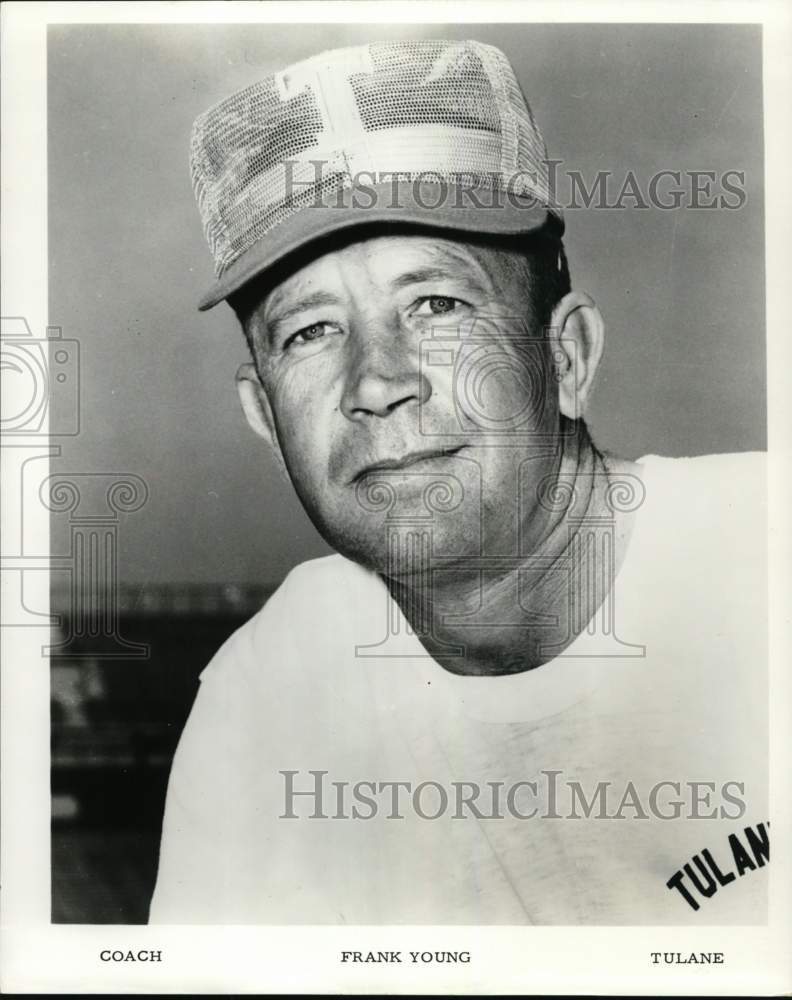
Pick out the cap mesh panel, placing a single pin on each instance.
(439, 108)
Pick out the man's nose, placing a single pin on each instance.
(383, 374)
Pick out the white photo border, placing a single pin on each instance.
(41, 957)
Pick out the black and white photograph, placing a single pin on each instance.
(395, 551)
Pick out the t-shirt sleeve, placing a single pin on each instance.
(192, 866)
(213, 793)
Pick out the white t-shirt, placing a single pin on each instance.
(328, 678)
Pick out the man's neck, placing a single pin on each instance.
(526, 611)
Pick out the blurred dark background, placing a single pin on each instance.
(115, 725)
(682, 293)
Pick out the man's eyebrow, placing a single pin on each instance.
(437, 274)
(314, 300)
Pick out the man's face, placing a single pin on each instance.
(407, 386)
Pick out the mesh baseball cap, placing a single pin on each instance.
(429, 133)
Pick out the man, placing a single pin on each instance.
(529, 688)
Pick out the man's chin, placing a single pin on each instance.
(406, 551)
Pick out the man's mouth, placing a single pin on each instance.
(407, 460)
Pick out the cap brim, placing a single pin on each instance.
(446, 207)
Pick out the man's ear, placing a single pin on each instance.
(576, 340)
(256, 405)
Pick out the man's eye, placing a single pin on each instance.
(438, 305)
(310, 333)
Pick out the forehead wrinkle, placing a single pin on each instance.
(500, 273)
(311, 300)
(437, 250)
(448, 255)
(295, 284)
